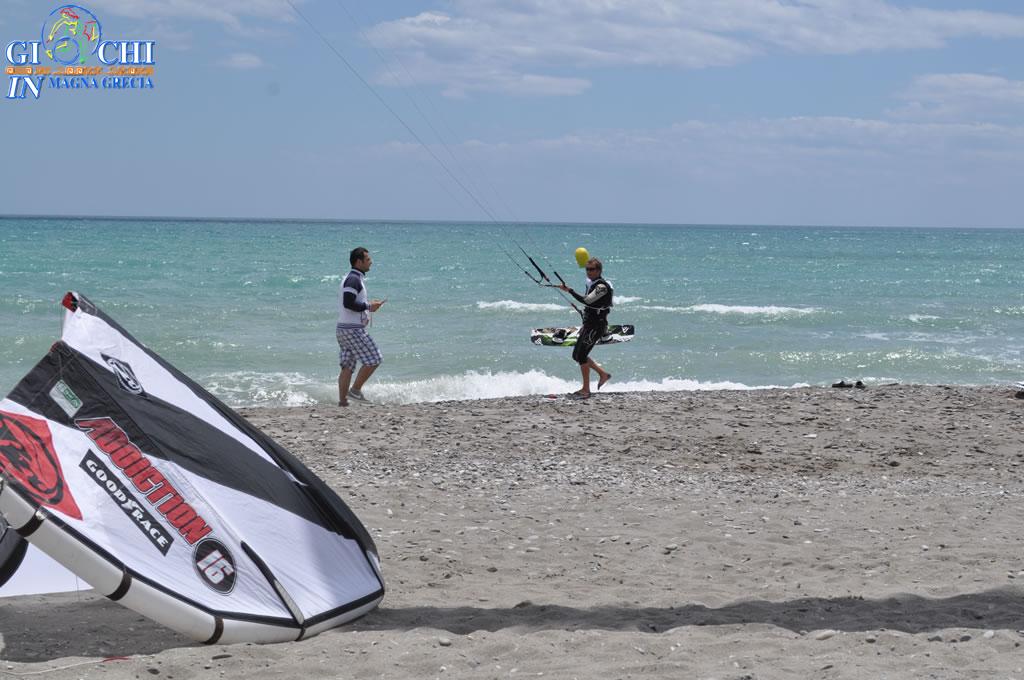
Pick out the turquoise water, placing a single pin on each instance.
(248, 308)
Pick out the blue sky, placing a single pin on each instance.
(816, 112)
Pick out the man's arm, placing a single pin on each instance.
(590, 298)
(570, 291)
(593, 296)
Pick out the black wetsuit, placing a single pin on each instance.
(598, 302)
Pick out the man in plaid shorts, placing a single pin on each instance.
(354, 343)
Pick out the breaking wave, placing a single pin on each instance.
(247, 389)
(513, 306)
(488, 385)
(769, 310)
(766, 310)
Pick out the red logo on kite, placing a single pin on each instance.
(27, 456)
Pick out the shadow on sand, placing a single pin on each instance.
(56, 626)
(997, 609)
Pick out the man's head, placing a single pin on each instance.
(593, 268)
(360, 259)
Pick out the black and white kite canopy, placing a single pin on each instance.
(162, 498)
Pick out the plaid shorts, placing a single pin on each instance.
(355, 344)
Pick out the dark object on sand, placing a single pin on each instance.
(843, 384)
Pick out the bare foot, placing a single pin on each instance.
(343, 403)
(604, 378)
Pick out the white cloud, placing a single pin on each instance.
(510, 82)
(553, 38)
(487, 74)
(959, 96)
(242, 60)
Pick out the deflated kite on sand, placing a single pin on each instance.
(162, 498)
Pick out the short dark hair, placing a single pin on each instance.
(356, 255)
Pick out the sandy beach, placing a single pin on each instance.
(802, 533)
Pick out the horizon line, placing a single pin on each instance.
(490, 223)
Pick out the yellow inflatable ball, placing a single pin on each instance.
(582, 256)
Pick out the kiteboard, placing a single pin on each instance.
(567, 337)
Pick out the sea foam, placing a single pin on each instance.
(769, 310)
(248, 388)
(493, 385)
(766, 310)
(513, 306)
(252, 388)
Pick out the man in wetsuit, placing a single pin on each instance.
(597, 301)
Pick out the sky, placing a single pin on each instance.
(799, 112)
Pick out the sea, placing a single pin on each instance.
(248, 308)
